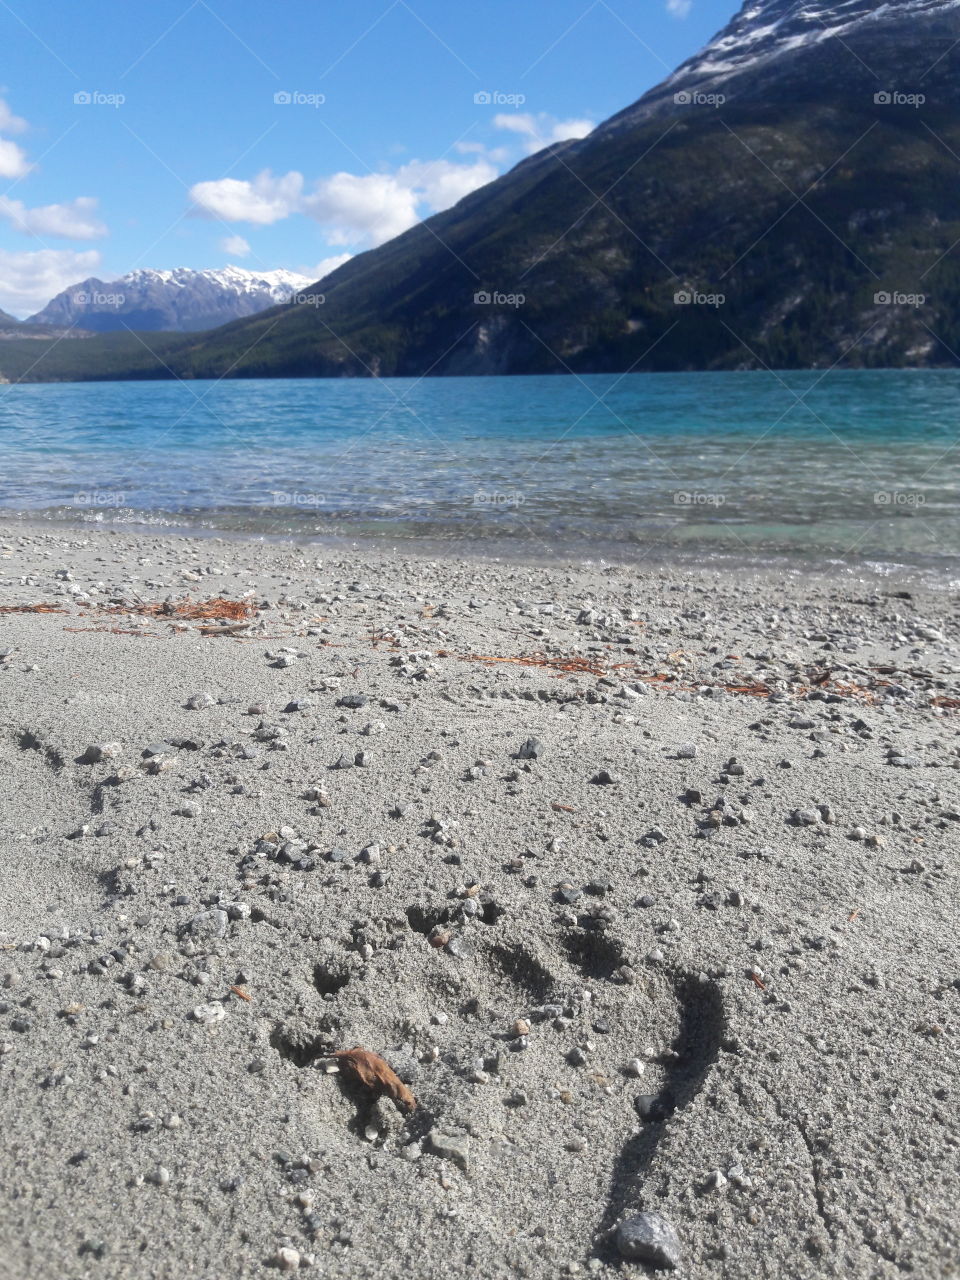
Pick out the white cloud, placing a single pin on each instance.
(29, 280)
(235, 246)
(74, 220)
(361, 210)
(9, 123)
(679, 8)
(354, 209)
(13, 160)
(264, 201)
(442, 184)
(326, 267)
(542, 130)
(494, 155)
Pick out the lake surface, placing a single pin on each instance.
(849, 466)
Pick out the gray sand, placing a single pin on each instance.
(743, 1007)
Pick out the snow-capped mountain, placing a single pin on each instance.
(770, 28)
(786, 199)
(773, 49)
(181, 300)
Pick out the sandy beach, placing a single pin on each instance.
(643, 884)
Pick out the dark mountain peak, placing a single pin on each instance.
(818, 49)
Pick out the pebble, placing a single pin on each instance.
(650, 1238)
(98, 751)
(451, 1146)
(353, 700)
(530, 750)
(209, 924)
(209, 1014)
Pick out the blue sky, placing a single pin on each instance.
(203, 132)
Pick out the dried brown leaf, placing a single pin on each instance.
(30, 608)
(375, 1073)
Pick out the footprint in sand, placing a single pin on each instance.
(545, 1072)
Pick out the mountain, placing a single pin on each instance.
(182, 300)
(785, 199)
(774, 49)
(7, 321)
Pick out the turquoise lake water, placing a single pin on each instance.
(855, 466)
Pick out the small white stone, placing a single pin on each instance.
(209, 1014)
(636, 1067)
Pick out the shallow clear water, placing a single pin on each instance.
(844, 465)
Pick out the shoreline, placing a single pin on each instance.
(926, 573)
(643, 884)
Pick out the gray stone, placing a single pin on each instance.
(98, 751)
(451, 1146)
(209, 924)
(649, 1238)
(353, 700)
